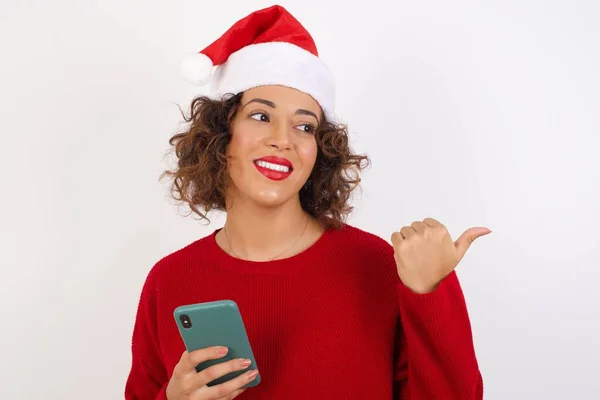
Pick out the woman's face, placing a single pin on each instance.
(273, 148)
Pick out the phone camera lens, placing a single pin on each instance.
(185, 321)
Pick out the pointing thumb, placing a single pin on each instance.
(465, 240)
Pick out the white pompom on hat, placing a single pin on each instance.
(197, 68)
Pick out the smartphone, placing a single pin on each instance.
(216, 323)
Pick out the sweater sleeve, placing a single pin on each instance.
(147, 378)
(436, 357)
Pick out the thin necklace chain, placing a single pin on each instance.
(278, 255)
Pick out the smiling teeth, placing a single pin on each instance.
(274, 167)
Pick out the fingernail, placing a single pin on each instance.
(252, 374)
(221, 351)
(246, 363)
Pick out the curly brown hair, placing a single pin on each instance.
(201, 177)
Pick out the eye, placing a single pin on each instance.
(260, 116)
(307, 128)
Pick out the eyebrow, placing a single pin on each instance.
(269, 103)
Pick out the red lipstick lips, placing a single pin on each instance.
(275, 168)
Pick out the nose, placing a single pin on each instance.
(280, 137)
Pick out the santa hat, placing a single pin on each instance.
(267, 47)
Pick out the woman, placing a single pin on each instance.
(331, 311)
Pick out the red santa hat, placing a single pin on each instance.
(267, 47)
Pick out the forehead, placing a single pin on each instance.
(282, 96)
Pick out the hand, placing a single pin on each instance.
(188, 384)
(425, 254)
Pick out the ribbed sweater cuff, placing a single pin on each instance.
(439, 338)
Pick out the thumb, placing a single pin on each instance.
(465, 240)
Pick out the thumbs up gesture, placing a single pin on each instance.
(425, 253)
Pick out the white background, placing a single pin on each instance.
(473, 114)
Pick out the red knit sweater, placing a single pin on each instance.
(333, 322)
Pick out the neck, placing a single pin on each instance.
(258, 233)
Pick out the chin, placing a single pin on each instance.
(270, 201)
(266, 193)
(270, 198)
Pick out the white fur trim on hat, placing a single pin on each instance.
(276, 63)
